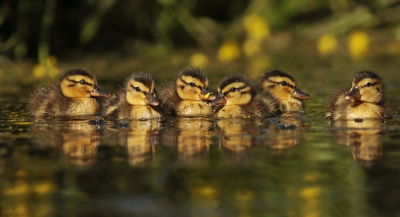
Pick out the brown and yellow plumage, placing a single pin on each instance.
(362, 100)
(71, 95)
(239, 98)
(186, 95)
(135, 100)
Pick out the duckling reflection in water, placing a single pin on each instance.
(140, 140)
(135, 100)
(364, 136)
(192, 138)
(362, 100)
(237, 136)
(283, 87)
(77, 139)
(186, 96)
(239, 98)
(71, 95)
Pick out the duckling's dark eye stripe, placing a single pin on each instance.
(370, 84)
(287, 84)
(76, 82)
(235, 89)
(135, 88)
(189, 84)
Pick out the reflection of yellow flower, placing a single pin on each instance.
(48, 68)
(228, 51)
(256, 27)
(358, 44)
(326, 44)
(199, 60)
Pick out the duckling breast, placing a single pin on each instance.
(192, 108)
(82, 106)
(364, 110)
(141, 112)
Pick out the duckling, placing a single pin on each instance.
(283, 86)
(239, 98)
(362, 100)
(186, 96)
(135, 100)
(71, 95)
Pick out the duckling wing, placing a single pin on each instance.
(337, 104)
(263, 105)
(386, 111)
(112, 104)
(48, 101)
(169, 99)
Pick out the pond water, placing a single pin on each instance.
(295, 165)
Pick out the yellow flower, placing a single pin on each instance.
(326, 44)
(228, 51)
(256, 27)
(49, 68)
(257, 65)
(358, 44)
(251, 46)
(199, 60)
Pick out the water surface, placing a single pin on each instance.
(295, 165)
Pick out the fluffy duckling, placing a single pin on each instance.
(362, 100)
(135, 100)
(186, 96)
(71, 95)
(283, 86)
(239, 98)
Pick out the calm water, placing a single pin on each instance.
(297, 165)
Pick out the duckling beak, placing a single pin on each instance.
(353, 94)
(151, 100)
(206, 94)
(219, 100)
(99, 92)
(298, 94)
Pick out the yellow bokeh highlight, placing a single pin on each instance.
(256, 27)
(206, 191)
(358, 43)
(44, 187)
(228, 51)
(20, 187)
(199, 60)
(257, 65)
(251, 46)
(327, 44)
(49, 68)
(310, 201)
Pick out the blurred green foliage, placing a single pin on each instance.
(40, 28)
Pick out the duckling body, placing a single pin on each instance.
(186, 96)
(71, 95)
(362, 100)
(239, 98)
(283, 87)
(135, 100)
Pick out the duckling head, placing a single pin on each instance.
(140, 90)
(366, 87)
(79, 83)
(192, 84)
(282, 86)
(234, 90)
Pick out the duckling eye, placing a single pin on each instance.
(137, 89)
(283, 83)
(368, 84)
(192, 84)
(82, 81)
(233, 89)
